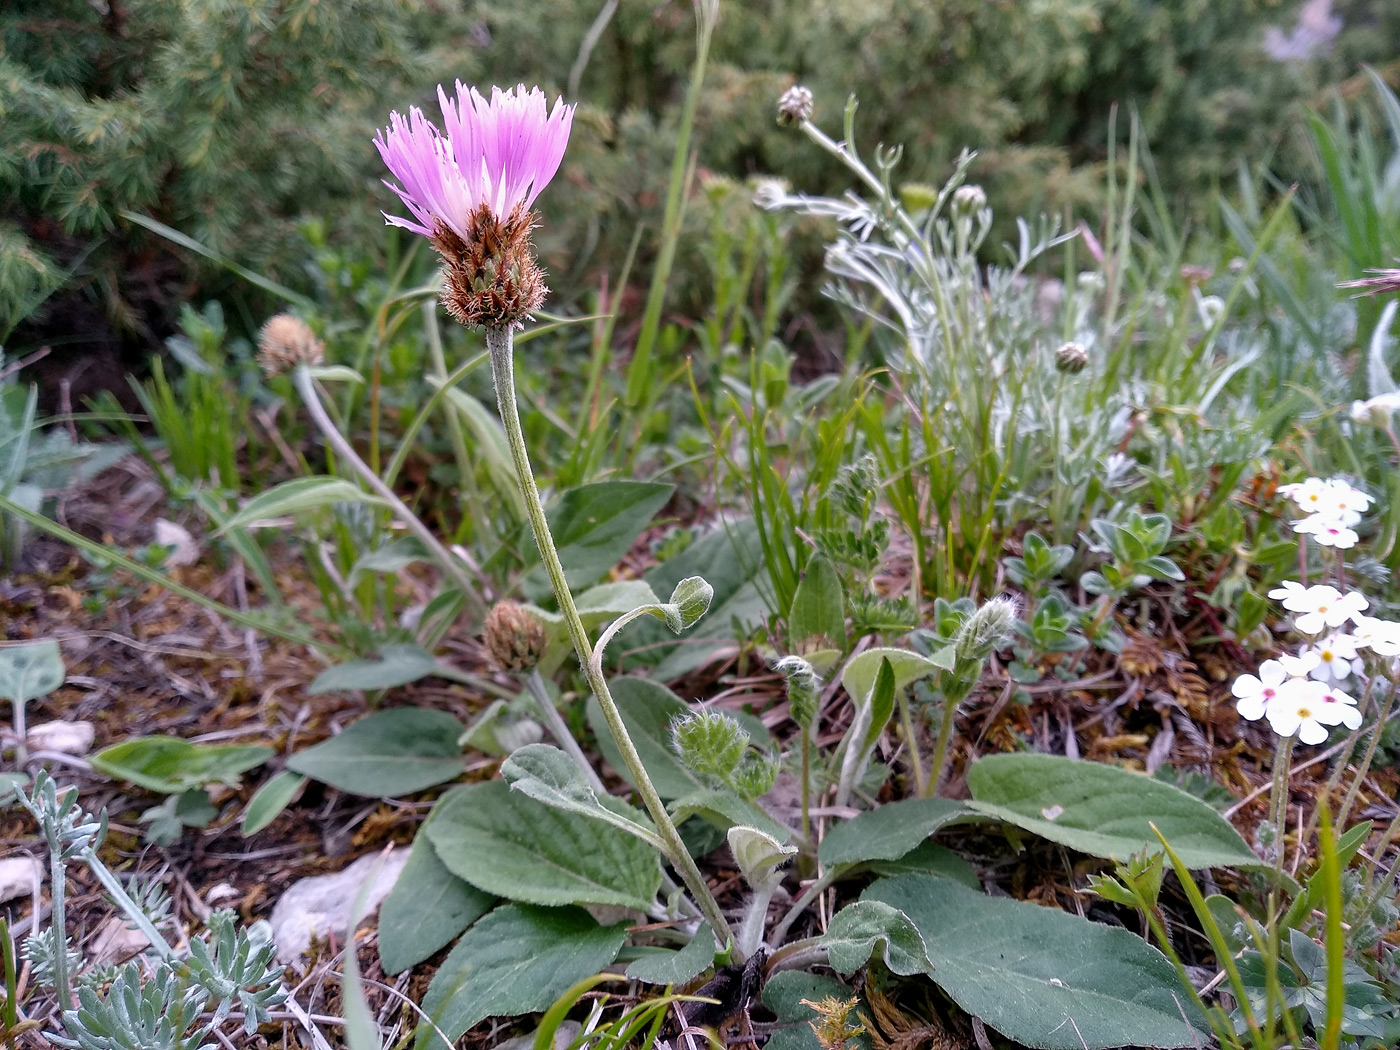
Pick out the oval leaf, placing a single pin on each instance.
(516, 960)
(297, 495)
(859, 929)
(171, 765)
(817, 619)
(510, 845)
(1103, 810)
(889, 832)
(387, 754)
(547, 775)
(1042, 977)
(394, 666)
(28, 672)
(665, 967)
(271, 799)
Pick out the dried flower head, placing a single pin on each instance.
(1379, 283)
(514, 637)
(1196, 275)
(469, 190)
(1072, 358)
(795, 106)
(287, 341)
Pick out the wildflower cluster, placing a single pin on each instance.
(1331, 510)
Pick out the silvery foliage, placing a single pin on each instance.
(160, 1002)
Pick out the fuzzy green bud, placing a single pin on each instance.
(986, 630)
(969, 199)
(710, 742)
(795, 107)
(803, 690)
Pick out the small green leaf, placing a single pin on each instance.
(817, 619)
(508, 844)
(758, 854)
(690, 600)
(270, 800)
(30, 671)
(547, 775)
(861, 928)
(396, 665)
(300, 494)
(724, 808)
(881, 704)
(387, 754)
(1103, 810)
(889, 832)
(862, 670)
(393, 556)
(929, 858)
(171, 765)
(516, 960)
(427, 907)
(335, 374)
(667, 967)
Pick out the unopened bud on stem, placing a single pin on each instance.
(795, 107)
(287, 341)
(515, 638)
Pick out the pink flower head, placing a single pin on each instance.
(498, 154)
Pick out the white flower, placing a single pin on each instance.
(1328, 530)
(1347, 500)
(1301, 708)
(1256, 694)
(1320, 606)
(1336, 658)
(1382, 637)
(1300, 666)
(1310, 495)
(1342, 707)
(1377, 411)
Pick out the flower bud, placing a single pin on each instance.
(970, 198)
(803, 690)
(795, 107)
(986, 630)
(1072, 358)
(918, 196)
(710, 742)
(1195, 275)
(1377, 411)
(287, 341)
(515, 638)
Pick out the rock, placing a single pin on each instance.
(70, 738)
(321, 904)
(19, 876)
(115, 942)
(183, 548)
(222, 895)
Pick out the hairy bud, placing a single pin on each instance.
(287, 341)
(515, 638)
(803, 690)
(970, 198)
(490, 278)
(795, 107)
(1071, 358)
(986, 630)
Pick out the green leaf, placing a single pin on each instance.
(10, 783)
(869, 925)
(270, 800)
(30, 671)
(171, 765)
(817, 618)
(783, 994)
(427, 907)
(929, 858)
(396, 665)
(889, 832)
(516, 960)
(393, 556)
(547, 775)
(593, 527)
(862, 670)
(881, 704)
(728, 558)
(667, 967)
(335, 374)
(1040, 976)
(1103, 810)
(298, 495)
(508, 844)
(724, 809)
(387, 754)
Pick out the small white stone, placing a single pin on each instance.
(19, 876)
(321, 905)
(70, 738)
(222, 894)
(185, 551)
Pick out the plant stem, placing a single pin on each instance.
(500, 345)
(1278, 799)
(945, 733)
(448, 562)
(558, 729)
(807, 783)
(906, 721)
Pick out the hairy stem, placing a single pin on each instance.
(499, 343)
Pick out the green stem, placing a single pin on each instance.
(906, 721)
(1278, 802)
(499, 343)
(945, 733)
(447, 561)
(807, 783)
